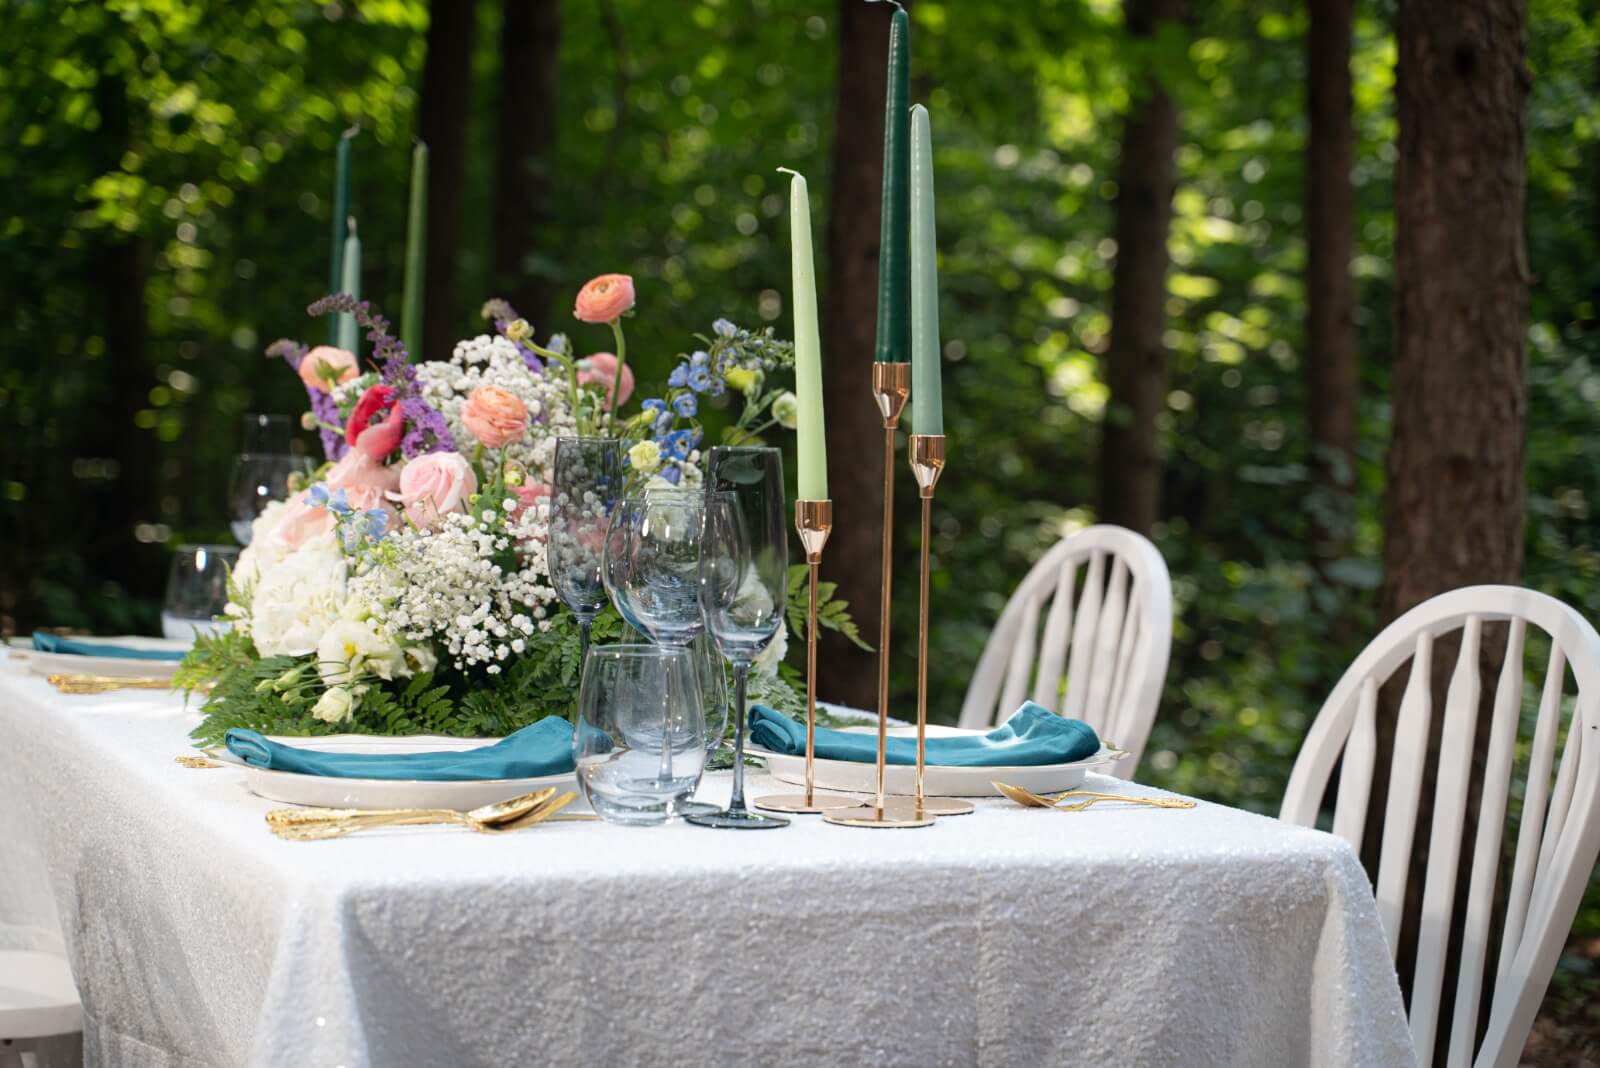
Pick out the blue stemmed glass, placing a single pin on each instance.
(744, 582)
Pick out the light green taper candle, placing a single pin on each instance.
(349, 336)
(416, 253)
(927, 402)
(811, 442)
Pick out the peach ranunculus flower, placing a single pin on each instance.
(433, 485)
(325, 367)
(601, 370)
(604, 299)
(496, 417)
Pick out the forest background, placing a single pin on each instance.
(1183, 288)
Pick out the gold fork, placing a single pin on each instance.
(1029, 799)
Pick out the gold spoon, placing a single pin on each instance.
(310, 824)
(1030, 799)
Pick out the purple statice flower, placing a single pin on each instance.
(426, 428)
(322, 405)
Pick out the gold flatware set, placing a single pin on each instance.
(512, 814)
(86, 684)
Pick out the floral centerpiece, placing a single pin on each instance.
(404, 589)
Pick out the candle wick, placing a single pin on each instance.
(350, 224)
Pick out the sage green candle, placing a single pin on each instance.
(811, 443)
(349, 334)
(341, 212)
(416, 253)
(927, 403)
(894, 252)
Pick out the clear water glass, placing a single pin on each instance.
(743, 587)
(652, 564)
(258, 479)
(640, 742)
(588, 477)
(197, 590)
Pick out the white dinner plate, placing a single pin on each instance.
(856, 777)
(326, 791)
(40, 663)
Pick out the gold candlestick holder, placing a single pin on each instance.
(813, 520)
(927, 464)
(891, 386)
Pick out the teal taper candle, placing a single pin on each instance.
(341, 212)
(349, 334)
(416, 253)
(927, 403)
(811, 442)
(894, 260)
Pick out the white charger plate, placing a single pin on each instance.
(326, 791)
(41, 663)
(856, 777)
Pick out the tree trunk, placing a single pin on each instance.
(442, 123)
(1332, 355)
(117, 272)
(1136, 360)
(848, 325)
(530, 44)
(1454, 510)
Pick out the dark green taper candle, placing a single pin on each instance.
(894, 251)
(341, 213)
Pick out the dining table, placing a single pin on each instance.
(1119, 935)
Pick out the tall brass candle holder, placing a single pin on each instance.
(927, 464)
(813, 520)
(891, 386)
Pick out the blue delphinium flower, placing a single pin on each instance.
(679, 377)
(654, 404)
(377, 522)
(718, 387)
(699, 358)
(339, 503)
(724, 328)
(318, 495)
(671, 473)
(663, 424)
(700, 380)
(685, 405)
(678, 444)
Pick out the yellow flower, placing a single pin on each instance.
(744, 379)
(518, 330)
(786, 410)
(645, 457)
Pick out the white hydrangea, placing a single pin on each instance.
(444, 586)
(767, 661)
(264, 551)
(491, 360)
(295, 600)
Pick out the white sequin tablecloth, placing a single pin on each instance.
(1007, 937)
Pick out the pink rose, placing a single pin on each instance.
(601, 370)
(325, 367)
(364, 480)
(604, 299)
(495, 416)
(433, 485)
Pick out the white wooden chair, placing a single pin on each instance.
(1559, 832)
(1118, 621)
(38, 1002)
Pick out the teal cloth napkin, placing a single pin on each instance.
(542, 748)
(1033, 735)
(53, 643)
